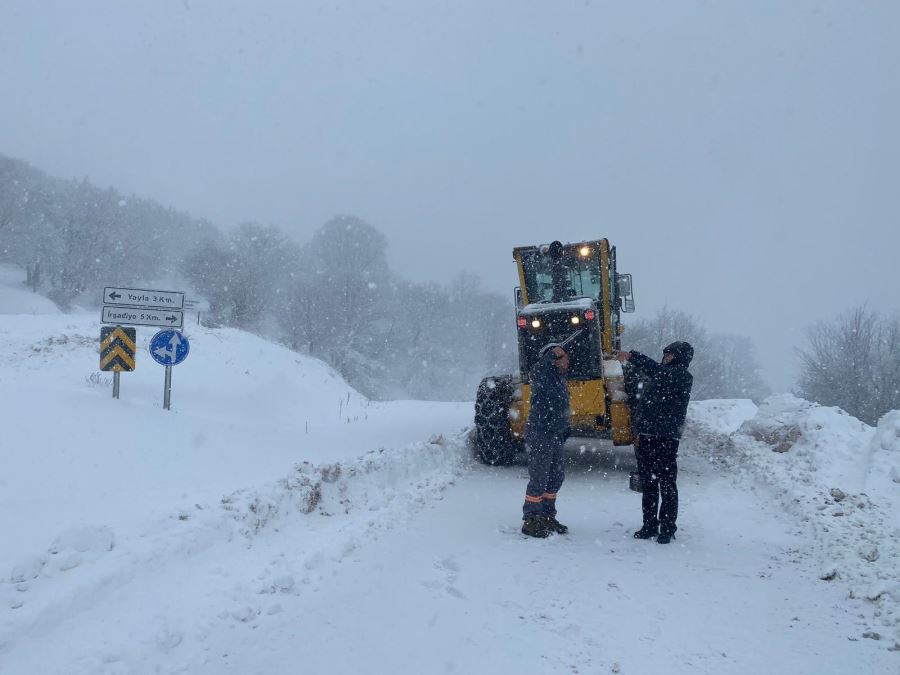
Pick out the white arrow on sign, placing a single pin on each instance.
(171, 350)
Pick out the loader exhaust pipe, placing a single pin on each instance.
(559, 272)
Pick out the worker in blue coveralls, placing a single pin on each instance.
(545, 434)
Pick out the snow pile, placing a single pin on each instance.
(838, 475)
(709, 424)
(380, 480)
(721, 415)
(826, 445)
(884, 462)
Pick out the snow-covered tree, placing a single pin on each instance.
(853, 362)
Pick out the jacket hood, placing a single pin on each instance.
(682, 352)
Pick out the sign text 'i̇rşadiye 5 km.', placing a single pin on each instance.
(143, 317)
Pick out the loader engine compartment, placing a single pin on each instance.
(538, 326)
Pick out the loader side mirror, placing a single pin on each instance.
(623, 281)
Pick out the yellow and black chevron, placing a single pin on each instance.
(117, 347)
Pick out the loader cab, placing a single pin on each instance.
(567, 287)
(562, 274)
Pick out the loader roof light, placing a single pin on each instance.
(589, 315)
(585, 251)
(522, 322)
(536, 323)
(576, 320)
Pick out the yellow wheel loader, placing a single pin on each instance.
(566, 292)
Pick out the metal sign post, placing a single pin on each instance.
(116, 384)
(199, 305)
(169, 348)
(167, 391)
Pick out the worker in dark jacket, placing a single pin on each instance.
(545, 434)
(658, 418)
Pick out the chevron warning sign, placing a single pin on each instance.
(117, 347)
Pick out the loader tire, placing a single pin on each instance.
(494, 440)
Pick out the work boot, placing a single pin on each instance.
(555, 526)
(646, 532)
(536, 527)
(664, 537)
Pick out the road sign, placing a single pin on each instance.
(138, 297)
(134, 316)
(169, 347)
(117, 348)
(196, 305)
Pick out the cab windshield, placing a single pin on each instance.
(580, 275)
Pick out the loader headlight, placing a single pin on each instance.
(585, 251)
(576, 320)
(536, 323)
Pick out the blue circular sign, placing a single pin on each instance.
(169, 347)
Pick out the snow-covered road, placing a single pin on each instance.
(436, 578)
(456, 588)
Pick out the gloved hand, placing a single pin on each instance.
(621, 356)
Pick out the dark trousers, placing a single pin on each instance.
(658, 467)
(545, 476)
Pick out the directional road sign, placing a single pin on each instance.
(133, 316)
(117, 348)
(138, 297)
(169, 347)
(196, 305)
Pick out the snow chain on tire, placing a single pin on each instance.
(494, 440)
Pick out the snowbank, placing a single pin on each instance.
(842, 478)
(826, 445)
(721, 415)
(883, 477)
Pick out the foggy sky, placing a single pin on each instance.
(743, 156)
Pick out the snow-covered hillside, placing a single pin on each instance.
(243, 410)
(277, 521)
(15, 299)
